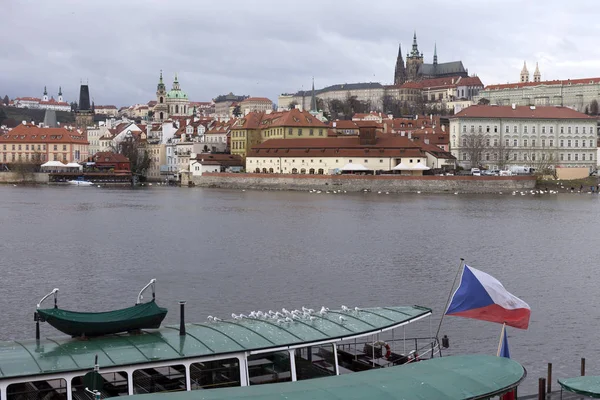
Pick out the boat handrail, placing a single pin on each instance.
(53, 292)
(140, 297)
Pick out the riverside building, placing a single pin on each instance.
(534, 136)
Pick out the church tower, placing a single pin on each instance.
(60, 96)
(413, 61)
(161, 111)
(84, 115)
(435, 54)
(537, 76)
(524, 73)
(45, 98)
(400, 72)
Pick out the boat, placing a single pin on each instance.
(260, 347)
(80, 182)
(87, 324)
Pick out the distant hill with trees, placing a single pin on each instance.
(12, 116)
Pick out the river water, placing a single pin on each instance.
(234, 251)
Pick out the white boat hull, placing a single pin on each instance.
(80, 183)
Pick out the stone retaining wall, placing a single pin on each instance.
(15, 177)
(358, 183)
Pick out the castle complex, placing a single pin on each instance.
(416, 70)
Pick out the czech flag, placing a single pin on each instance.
(481, 296)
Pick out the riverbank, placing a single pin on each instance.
(361, 183)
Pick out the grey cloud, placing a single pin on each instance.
(266, 47)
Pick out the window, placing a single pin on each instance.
(154, 380)
(311, 132)
(515, 129)
(543, 129)
(543, 142)
(583, 157)
(569, 143)
(19, 147)
(576, 143)
(551, 129)
(562, 157)
(320, 132)
(569, 129)
(55, 147)
(495, 129)
(54, 389)
(525, 129)
(495, 142)
(525, 142)
(487, 142)
(487, 156)
(591, 143)
(562, 129)
(533, 157)
(533, 129)
(479, 129)
(472, 128)
(464, 142)
(569, 157)
(551, 142)
(576, 129)
(27, 147)
(507, 142)
(13, 146)
(380, 161)
(64, 147)
(487, 129)
(515, 157)
(583, 129)
(515, 142)
(576, 157)
(543, 156)
(532, 142)
(464, 129)
(290, 131)
(464, 156)
(299, 131)
(507, 129)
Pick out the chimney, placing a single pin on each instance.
(334, 124)
(367, 135)
(514, 106)
(24, 122)
(426, 141)
(532, 107)
(182, 318)
(443, 128)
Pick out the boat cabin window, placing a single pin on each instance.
(269, 368)
(113, 384)
(159, 379)
(55, 389)
(314, 362)
(215, 374)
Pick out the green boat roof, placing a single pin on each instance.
(585, 385)
(53, 355)
(456, 377)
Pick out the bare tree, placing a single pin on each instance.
(292, 104)
(502, 153)
(474, 145)
(594, 107)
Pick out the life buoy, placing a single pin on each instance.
(388, 351)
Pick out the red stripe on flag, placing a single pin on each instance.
(517, 318)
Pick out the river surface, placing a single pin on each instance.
(234, 251)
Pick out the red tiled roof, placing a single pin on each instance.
(228, 160)
(567, 82)
(54, 102)
(106, 107)
(529, 112)
(112, 157)
(33, 134)
(28, 99)
(343, 124)
(470, 81)
(257, 99)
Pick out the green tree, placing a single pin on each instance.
(292, 104)
(2, 115)
(586, 110)
(594, 107)
(237, 111)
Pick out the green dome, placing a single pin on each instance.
(176, 94)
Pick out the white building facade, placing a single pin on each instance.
(525, 135)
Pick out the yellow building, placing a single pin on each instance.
(256, 128)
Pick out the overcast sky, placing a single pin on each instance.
(267, 47)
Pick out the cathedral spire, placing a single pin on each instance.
(524, 73)
(400, 71)
(435, 54)
(60, 90)
(313, 99)
(537, 76)
(415, 47)
(161, 80)
(45, 91)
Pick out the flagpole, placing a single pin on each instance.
(502, 333)
(460, 268)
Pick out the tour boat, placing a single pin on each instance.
(124, 352)
(81, 182)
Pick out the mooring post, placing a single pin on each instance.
(182, 318)
(549, 377)
(582, 366)
(542, 389)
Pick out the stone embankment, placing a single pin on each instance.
(359, 183)
(29, 178)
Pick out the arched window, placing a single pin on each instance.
(161, 115)
(311, 171)
(177, 109)
(321, 172)
(270, 170)
(160, 100)
(294, 170)
(257, 170)
(264, 170)
(303, 171)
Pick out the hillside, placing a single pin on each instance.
(26, 114)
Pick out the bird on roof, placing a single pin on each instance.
(356, 309)
(288, 319)
(215, 319)
(342, 319)
(344, 308)
(210, 318)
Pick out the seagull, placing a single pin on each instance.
(288, 319)
(342, 319)
(253, 314)
(356, 309)
(260, 314)
(278, 314)
(243, 316)
(419, 192)
(295, 316)
(344, 308)
(210, 318)
(312, 318)
(215, 319)
(280, 321)
(235, 316)
(323, 310)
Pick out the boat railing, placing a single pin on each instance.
(53, 292)
(152, 284)
(414, 349)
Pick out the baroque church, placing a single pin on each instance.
(173, 103)
(416, 69)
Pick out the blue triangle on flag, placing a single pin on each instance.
(470, 294)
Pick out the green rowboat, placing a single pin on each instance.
(140, 316)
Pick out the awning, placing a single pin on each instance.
(401, 167)
(73, 165)
(420, 167)
(53, 164)
(354, 167)
(585, 385)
